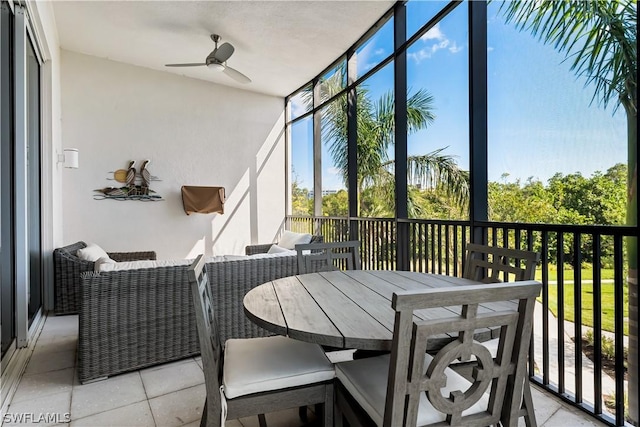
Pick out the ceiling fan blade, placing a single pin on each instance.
(223, 52)
(191, 64)
(236, 75)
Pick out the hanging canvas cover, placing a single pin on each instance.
(202, 199)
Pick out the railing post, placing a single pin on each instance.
(478, 117)
(400, 88)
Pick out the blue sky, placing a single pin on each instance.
(540, 118)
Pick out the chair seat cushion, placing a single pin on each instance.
(272, 363)
(366, 381)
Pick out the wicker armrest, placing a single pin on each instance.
(68, 268)
(258, 249)
(132, 256)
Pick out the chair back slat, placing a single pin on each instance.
(491, 264)
(210, 345)
(314, 257)
(412, 372)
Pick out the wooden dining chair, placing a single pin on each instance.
(410, 387)
(492, 264)
(314, 257)
(245, 377)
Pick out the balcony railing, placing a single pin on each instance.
(557, 364)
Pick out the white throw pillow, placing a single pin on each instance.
(290, 239)
(101, 261)
(91, 253)
(275, 249)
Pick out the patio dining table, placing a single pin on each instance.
(349, 309)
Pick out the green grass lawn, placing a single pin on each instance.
(587, 304)
(587, 273)
(587, 296)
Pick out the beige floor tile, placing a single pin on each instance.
(46, 362)
(565, 418)
(57, 326)
(286, 418)
(171, 377)
(43, 411)
(114, 392)
(544, 405)
(178, 408)
(198, 360)
(39, 385)
(56, 344)
(138, 414)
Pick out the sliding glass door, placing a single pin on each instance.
(7, 206)
(21, 297)
(33, 182)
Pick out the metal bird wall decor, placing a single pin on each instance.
(136, 184)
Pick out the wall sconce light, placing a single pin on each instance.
(69, 158)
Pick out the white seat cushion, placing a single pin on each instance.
(147, 263)
(272, 363)
(366, 381)
(97, 266)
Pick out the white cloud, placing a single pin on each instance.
(434, 40)
(367, 55)
(433, 33)
(333, 171)
(489, 49)
(454, 48)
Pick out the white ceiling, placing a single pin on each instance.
(280, 45)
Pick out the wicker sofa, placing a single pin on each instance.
(136, 318)
(68, 268)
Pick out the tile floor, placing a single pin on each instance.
(166, 395)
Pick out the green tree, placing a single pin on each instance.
(599, 38)
(336, 204)
(600, 199)
(301, 203)
(513, 202)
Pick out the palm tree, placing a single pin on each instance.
(376, 127)
(599, 38)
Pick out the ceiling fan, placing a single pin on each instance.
(217, 60)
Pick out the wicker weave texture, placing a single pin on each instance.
(68, 269)
(137, 318)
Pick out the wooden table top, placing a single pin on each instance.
(348, 309)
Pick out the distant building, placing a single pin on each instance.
(324, 192)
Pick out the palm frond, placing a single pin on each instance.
(437, 170)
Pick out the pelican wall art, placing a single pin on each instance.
(136, 184)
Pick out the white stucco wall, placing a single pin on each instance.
(194, 133)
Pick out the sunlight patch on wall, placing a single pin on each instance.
(197, 249)
(230, 232)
